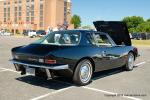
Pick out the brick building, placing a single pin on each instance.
(19, 15)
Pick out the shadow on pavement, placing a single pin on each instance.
(50, 84)
(62, 82)
(103, 74)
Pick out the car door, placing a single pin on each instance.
(109, 54)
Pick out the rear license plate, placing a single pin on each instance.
(30, 71)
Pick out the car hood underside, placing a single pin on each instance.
(117, 30)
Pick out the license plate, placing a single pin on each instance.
(30, 71)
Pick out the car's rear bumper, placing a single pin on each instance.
(57, 67)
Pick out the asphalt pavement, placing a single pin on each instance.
(115, 84)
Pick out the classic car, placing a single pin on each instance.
(77, 54)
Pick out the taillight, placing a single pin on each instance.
(49, 61)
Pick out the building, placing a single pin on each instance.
(19, 15)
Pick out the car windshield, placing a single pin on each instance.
(60, 38)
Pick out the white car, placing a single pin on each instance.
(6, 34)
(32, 34)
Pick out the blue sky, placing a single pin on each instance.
(91, 10)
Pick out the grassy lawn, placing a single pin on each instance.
(141, 42)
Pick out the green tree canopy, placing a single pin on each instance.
(76, 20)
(144, 27)
(133, 22)
(148, 20)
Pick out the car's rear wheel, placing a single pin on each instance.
(130, 62)
(83, 73)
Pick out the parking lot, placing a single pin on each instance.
(108, 85)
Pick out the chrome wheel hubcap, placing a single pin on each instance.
(85, 72)
(131, 61)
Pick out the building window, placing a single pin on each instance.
(15, 2)
(32, 7)
(27, 13)
(20, 8)
(4, 3)
(4, 10)
(32, 13)
(19, 17)
(8, 9)
(4, 14)
(15, 19)
(41, 6)
(20, 14)
(41, 24)
(20, 1)
(8, 13)
(15, 15)
(15, 8)
(27, 19)
(27, 0)
(32, 20)
(41, 18)
(4, 19)
(41, 14)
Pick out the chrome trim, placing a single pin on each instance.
(41, 66)
(48, 73)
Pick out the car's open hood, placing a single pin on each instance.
(117, 30)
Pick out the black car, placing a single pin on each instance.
(141, 36)
(77, 53)
(41, 33)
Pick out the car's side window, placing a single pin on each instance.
(101, 40)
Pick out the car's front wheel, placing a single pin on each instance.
(130, 62)
(83, 73)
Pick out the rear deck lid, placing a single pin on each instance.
(117, 30)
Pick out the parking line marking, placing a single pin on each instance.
(141, 63)
(107, 92)
(9, 70)
(93, 89)
(3, 70)
(52, 93)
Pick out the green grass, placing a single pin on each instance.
(141, 42)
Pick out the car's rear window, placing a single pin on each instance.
(61, 38)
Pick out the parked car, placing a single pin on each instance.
(148, 36)
(32, 33)
(136, 36)
(25, 32)
(140, 36)
(41, 33)
(77, 53)
(5, 33)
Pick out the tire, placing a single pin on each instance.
(130, 62)
(33, 36)
(83, 73)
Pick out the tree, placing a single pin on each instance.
(76, 20)
(133, 22)
(148, 20)
(144, 27)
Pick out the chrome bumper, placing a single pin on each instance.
(60, 67)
